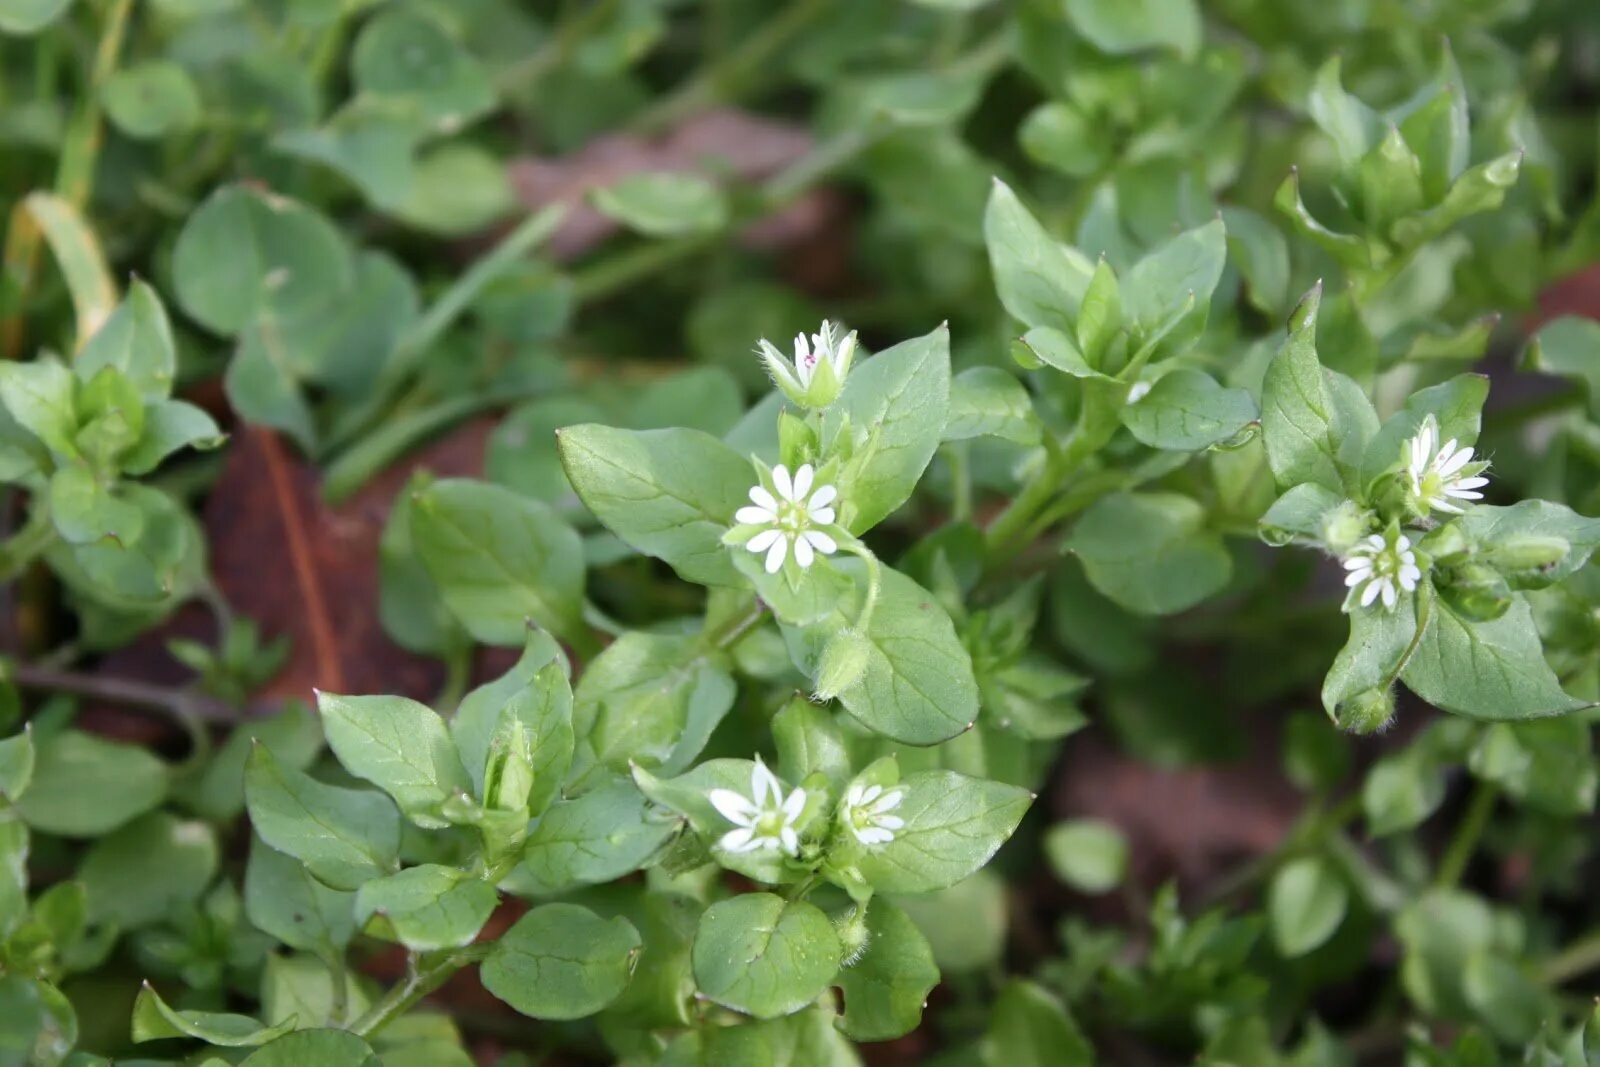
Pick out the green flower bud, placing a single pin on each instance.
(1344, 525)
(1528, 560)
(797, 441)
(843, 662)
(1367, 712)
(508, 771)
(815, 375)
(853, 934)
(1475, 591)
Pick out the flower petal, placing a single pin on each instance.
(754, 515)
(761, 498)
(802, 481)
(775, 555)
(782, 482)
(824, 496)
(732, 806)
(740, 840)
(821, 542)
(794, 804)
(890, 801)
(803, 554)
(764, 786)
(822, 516)
(1389, 596)
(763, 540)
(1370, 593)
(889, 822)
(790, 839)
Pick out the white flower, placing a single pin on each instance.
(1438, 475)
(1382, 568)
(790, 519)
(815, 375)
(866, 812)
(765, 819)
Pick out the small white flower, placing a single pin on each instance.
(866, 812)
(765, 819)
(817, 371)
(790, 519)
(1382, 568)
(1437, 474)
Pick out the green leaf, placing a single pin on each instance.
(886, 988)
(345, 837)
(809, 741)
(1547, 764)
(1297, 516)
(1124, 26)
(22, 18)
(1306, 902)
(561, 961)
(1353, 127)
(170, 425)
(1041, 281)
(459, 188)
(917, 686)
(406, 56)
(148, 870)
(1261, 253)
(40, 397)
(244, 252)
(1090, 855)
(895, 405)
(153, 1020)
(426, 908)
(807, 1038)
(17, 758)
(1400, 792)
(989, 402)
(536, 692)
(953, 825)
(499, 559)
(598, 837)
(1488, 525)
(1315, 422)
(1178, 276)
(1570, 347)
(294, 735)
(660, 204)
(765, 956)
(398, 745)
(282, 900)
(84, 510)
(263, 387)
(137, 341)
(1062, 137)
(314, 1048)
(1187, 411)
(1457, 408)
(1150, 553)
(670, 494)
(370, 141)
(150, 100)
(1486, 670)
(1030, 1027)
(651, 700)
(86, 786)
(1380, 642)
(300, 987)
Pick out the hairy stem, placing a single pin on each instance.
(422, 978)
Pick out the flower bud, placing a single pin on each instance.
(1344, 525)
(843, 662)
(1475, 591)
(853, 934)
(797, 441)
(1528, 560)
(1368, 712)
(508, 771)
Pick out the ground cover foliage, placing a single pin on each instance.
(976, 532)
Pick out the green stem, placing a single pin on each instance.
(1580, 957)
(27, 544)
(1469, 832)
(874, 577)
(959, 456)
(420, 980)
(81, 147)
(714, 81)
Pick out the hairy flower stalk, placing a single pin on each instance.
(787, 519)
(1382, 566)
(765, 819)
(816, 373)
(1440, 477)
